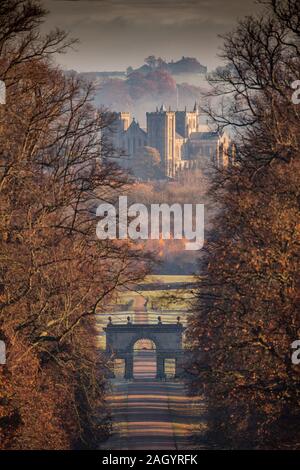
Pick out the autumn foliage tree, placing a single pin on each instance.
(247, 310)
(55, 274)
(147, 164)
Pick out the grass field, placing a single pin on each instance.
(144, 306)
(164, 279)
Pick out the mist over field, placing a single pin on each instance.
(148, 87)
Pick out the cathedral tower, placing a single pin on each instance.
(187, 122)
(161, 127)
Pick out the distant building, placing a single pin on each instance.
(128, 138)
(180, 149)
(187, 121)
(211, 146)
(133, 140)
(124, 120)
(182, 141)
(161, 128)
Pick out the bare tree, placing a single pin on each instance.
(55, 274)
(247, 303)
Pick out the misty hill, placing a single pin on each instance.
(176, 84)
(142, 92)
(185, 65)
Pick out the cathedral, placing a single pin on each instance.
(182, 141)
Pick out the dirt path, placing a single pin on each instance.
(140, 309)
(150, 414)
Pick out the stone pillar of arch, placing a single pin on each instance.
(128, 367)
(179, 365)
(160, 367)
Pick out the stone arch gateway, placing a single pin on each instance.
(120, 341)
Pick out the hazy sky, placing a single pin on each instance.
(114, 34)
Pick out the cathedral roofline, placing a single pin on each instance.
(179, 136)
(133, 124)
(210, 135)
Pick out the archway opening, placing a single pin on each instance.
(170, 368)
(119, 368)
(144, 359)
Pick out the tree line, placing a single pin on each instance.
(55, 274)
(247, 307)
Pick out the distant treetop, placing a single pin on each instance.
(183, 65)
